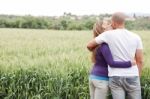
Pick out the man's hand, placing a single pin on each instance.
(92, 45)
(139, 59)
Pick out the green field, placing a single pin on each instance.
(48, 64)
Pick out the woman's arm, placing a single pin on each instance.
(109, 59)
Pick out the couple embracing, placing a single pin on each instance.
(118, 60)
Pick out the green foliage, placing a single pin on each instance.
(138, 24)
(145, 82)
(46, 64)
(26, 84)
(66, 22)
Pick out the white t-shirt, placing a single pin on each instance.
(123, 45)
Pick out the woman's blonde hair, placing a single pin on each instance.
(106, 23)
(97, 29)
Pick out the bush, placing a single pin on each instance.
(34, 83)
(65, 22)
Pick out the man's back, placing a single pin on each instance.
(123, 45)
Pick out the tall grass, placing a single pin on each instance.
(47, 64)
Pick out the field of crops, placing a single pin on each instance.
(47, 64)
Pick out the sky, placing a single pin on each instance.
(77, 7)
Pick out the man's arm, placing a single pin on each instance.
(139, 59)
(98, 40)
(91, 45)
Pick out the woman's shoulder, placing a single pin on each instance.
(104, 46)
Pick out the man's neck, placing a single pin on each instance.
(120, 27)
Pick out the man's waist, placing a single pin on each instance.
(131, 71)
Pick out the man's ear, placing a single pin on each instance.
(113, 24)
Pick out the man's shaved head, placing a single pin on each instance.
(118, 20)
(119, 17)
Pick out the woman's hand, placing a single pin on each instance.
(133, 62)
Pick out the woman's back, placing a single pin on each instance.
(100, 67)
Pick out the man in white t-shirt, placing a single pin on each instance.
(124, 46)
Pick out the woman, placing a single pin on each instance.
(101, 58)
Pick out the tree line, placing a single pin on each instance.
(66, 22)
